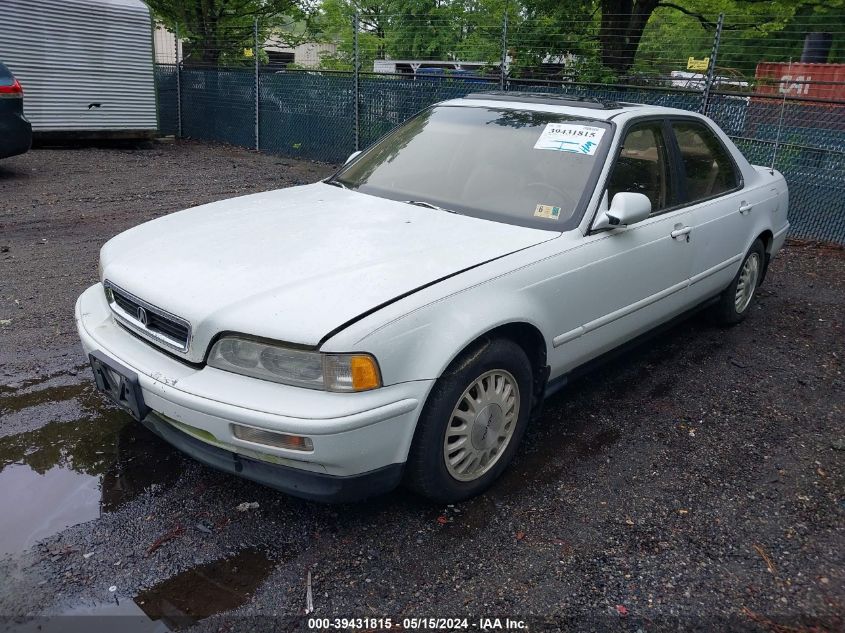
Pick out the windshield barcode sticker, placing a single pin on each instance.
(577, 139)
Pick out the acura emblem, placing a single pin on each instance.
(142, 316)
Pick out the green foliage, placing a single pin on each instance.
(754, 32)
(467, 30)
(216, 32)
(558, 39)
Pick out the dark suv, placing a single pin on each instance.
(15, 130)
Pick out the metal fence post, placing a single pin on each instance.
(711, 67)
(257, 79)
(356, 81)
(178, 88)
(502, 68)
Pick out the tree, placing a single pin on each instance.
(334, 23)
(617, 25)
(217, 31)
(584, 40)
(465, 30)
(623, 24)
(549, 39)
(753, 32)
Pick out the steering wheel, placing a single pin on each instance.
(566, 201)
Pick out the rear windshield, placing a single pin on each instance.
(515, 166)
(6, 78)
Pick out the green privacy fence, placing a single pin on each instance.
(167, 96)
(315, 115)
(810, 141)
(307, 115)
(218, 105)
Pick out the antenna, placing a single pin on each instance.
(780, 122)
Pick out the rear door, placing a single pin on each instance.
(711, 185)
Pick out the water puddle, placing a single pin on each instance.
(23, 385)
(64, 498)
(90, 459)
(59, 397)
(206, 590)
(172, 605)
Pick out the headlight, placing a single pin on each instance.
(291, 366)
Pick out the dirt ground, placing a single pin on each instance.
(697, 483)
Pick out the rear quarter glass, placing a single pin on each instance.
(6, 77)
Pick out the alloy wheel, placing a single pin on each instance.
(747, 283)
(481, 425)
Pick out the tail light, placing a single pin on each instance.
(15, 90)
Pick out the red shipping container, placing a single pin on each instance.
(804, 81)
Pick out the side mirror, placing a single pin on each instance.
(626, 208)
(352, 157)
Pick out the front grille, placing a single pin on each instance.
(126, 304)
(177, 331)
(154, 323)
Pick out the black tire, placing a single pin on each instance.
(426, 470)
(725, 312)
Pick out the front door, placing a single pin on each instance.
(623, 282)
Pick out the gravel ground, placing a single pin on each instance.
(697, 483)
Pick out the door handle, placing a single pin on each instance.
(744, 207)
(681, 232)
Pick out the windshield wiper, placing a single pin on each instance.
(428, 205)
(335, 183)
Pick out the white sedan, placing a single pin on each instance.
(401, 320)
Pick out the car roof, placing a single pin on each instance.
(564, 104)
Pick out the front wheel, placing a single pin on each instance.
(735, 302)
(472, 422)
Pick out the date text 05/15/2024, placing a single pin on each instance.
(431, 624)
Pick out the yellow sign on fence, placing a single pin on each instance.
(698, 64)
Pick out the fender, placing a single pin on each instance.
(421, 344)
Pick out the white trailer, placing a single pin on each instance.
(86, 66)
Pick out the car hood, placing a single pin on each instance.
(295, 264)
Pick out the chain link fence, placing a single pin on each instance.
(778, 111)
(168, 99)
(307, 115)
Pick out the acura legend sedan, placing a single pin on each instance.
(402, 320)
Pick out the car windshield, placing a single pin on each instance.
(515, 166)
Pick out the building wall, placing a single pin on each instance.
(165, 46)
(85, 65)
(307, 55)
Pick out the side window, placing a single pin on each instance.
(642, 166)
(5, 76)
(709, 169)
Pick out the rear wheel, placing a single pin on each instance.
(472, 422)
(735, 302)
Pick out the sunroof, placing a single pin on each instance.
(548, 99)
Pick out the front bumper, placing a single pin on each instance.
(294, 481)
(361, 440)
